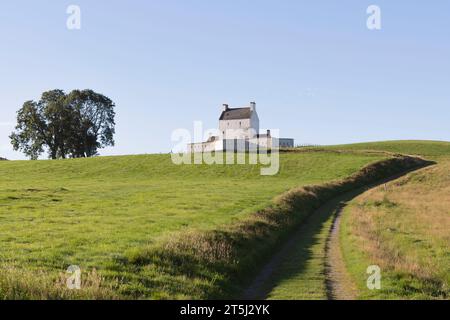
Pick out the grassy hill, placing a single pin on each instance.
(403, 228)
(94, 212)
(412, 147)
(108, 214)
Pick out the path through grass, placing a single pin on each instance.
(413, 236)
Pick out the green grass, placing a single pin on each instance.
(301, 274)
(404, 229)
(412, 147)
(141, 227)
(97, 212)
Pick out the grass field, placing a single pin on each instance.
(138, 225)
(404, 228)
(429, 149)
(95, 212)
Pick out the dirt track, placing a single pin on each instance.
(337, 281)
(263, 282)
(339, 285)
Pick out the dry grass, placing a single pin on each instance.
(19, 284)
(404, 228)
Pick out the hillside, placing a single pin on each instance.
(142, 227)
(96, 212)
(412, 147)
(401, 226)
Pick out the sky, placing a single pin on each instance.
(315, 70)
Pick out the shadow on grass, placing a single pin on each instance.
(221, 263)
(291, 260)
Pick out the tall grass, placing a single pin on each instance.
(402, 227)
(19, 284)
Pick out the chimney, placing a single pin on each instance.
(253, 106)
(268, 133)
(225, 107)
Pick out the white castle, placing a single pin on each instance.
(239, 131)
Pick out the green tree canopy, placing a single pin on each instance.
(65, 125)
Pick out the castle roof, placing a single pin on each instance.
(236, 113)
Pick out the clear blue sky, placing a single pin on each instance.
(314, 69)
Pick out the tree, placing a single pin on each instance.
(95, 115)
(58, 118)
(31, 131)
(74, 125)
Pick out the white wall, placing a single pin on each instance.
(240, 128)
(254, 122)
(205, 146)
